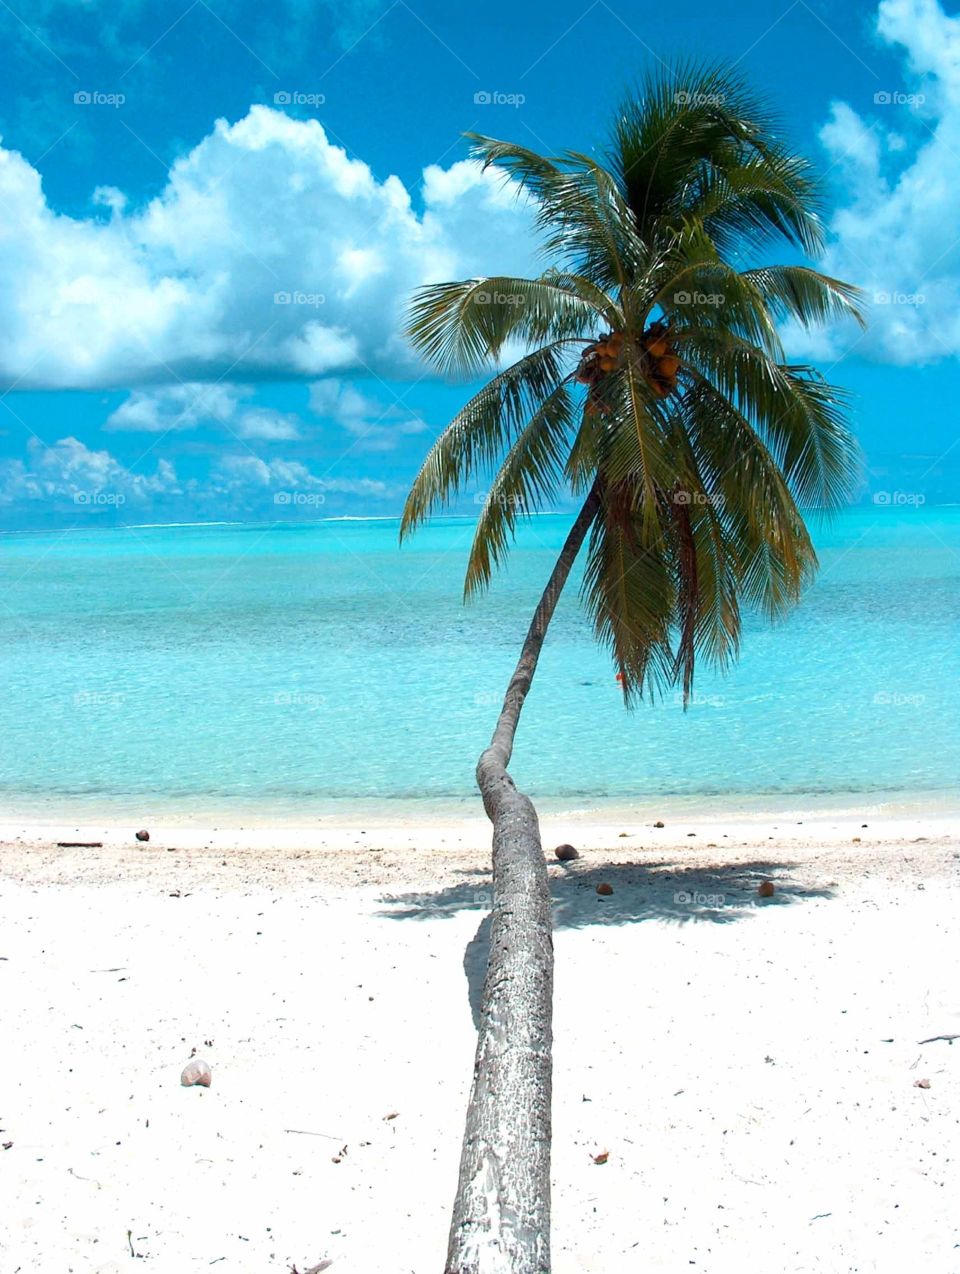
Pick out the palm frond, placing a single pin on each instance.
(812, 298)
(585, 222)
(629, 591)
(477, 436)
(463, 327)
(801, 418)
(531, 473)
(695, 143)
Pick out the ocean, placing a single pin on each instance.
(304, 669)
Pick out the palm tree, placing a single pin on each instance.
(649, 380)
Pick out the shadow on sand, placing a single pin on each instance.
(641, 891)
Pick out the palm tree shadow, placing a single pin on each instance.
(476, 955)
(679, 895)
(640, 891)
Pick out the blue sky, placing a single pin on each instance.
(212, 215)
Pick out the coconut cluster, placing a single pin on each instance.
(601, 357)
(658, 359)
(662, 363)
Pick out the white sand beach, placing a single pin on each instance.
(750, 1067)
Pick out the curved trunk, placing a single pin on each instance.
(501, 1215)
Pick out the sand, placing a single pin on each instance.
(749, 1067)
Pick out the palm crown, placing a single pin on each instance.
(653, 375)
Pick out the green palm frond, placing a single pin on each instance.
(705, 292)
(801, 418)
(813, 299)
(481, 431)
(696, 137)
(766, 196)
(463, 327)
(761, 522)
(531, 473)
(585, 221)
(629, 590)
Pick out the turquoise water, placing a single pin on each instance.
(207, 668)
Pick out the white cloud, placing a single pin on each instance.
(177, 407)
(69, 477)
(290, 477)
(264, 422)
(374, 426)
(269, 252)
(69, 470)
(174, 408)
(897, 234)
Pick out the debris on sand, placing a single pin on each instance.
(196, 1072)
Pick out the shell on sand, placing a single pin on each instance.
(196, 1072)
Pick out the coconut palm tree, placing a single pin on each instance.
(649, 380)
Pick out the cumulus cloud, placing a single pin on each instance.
(269, 253)
(71, 481)
(290, 477)
(374, 426)
(176, 407)
(896, 233)
(270, 425)
(70, 471)
(173, 408)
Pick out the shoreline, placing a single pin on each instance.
(446, 855)
(117, 813)
(686, 823)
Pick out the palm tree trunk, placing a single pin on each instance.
(501, 1215)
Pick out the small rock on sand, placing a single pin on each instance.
(196, 1072)
(143, 834)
